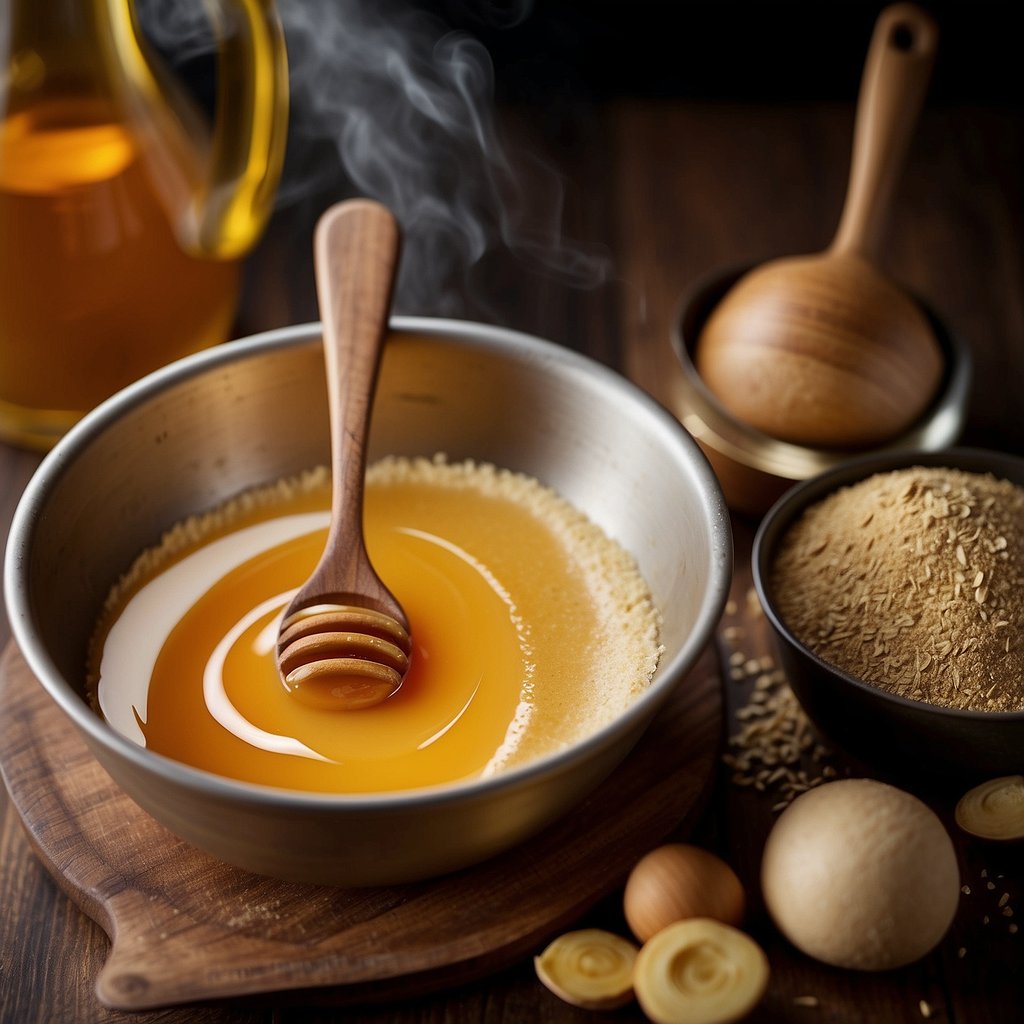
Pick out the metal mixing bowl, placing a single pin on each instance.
(755, 468)
(880, 729)
(197, 432)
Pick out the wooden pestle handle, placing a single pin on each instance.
(895, 80)
(356, 248)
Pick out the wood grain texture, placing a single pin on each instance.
(185, 927)
(894, 84)
(821, 351)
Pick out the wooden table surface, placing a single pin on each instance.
(654, 192)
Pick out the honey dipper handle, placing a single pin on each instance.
(356, 254)
(895, 80)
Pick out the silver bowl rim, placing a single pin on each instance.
(179, 774)
(800, 496)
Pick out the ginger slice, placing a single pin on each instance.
(699, 971)
(590, 968)
(993, 809)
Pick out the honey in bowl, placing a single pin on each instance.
(530, 627)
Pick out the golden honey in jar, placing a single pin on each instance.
(123, 218)
(530, 629)
(95, 290)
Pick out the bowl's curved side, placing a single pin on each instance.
(369, 842)
(878, 728)
(194, 434)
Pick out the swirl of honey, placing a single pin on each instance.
(503, 602)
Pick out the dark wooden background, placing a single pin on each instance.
(670, 139)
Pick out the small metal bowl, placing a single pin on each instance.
(199, 431)
(755, 468)
(888, 733)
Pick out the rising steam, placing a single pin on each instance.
(387, 102)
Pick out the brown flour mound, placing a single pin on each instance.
(913, 580)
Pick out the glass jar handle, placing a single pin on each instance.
(218, 188)
(250, 127)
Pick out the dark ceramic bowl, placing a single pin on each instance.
(885, 732)
(754, 468)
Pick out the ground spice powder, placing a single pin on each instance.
(913, 580)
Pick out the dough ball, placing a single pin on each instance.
(860, 874)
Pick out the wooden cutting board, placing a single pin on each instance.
(185, 927)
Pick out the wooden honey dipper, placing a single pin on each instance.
(344, 639)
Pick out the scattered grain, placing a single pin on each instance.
(775, 739)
